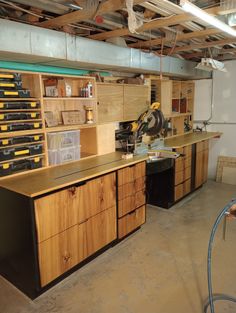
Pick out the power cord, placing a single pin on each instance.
(212, 298)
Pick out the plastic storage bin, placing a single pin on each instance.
(64, 155)
(11, 153)
(19, 105)
(64, 139)
(20, 139)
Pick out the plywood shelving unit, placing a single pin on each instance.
(18, 140)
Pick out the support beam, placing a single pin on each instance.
(180, 37)
(161, 22)
(86, 13)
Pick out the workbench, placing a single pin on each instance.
(57, 219)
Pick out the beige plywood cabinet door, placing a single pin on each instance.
(136, 101)
(110, 103)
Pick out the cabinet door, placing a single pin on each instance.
(110, 102)
(205, 164)
(131, 173)
(199, 169)
(60, 253)
(59, 211)
(136, 101)
(101, 230)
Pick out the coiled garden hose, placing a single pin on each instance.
(212, 298)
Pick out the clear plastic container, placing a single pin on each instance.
(64, 155)
(63, 139)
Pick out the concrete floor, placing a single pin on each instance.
(159, 269)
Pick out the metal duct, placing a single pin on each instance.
(26, 43)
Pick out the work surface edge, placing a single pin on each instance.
(54, 178)
(189, 139)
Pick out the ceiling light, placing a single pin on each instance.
(209, 64)
(196, 11)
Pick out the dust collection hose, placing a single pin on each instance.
(217, 297)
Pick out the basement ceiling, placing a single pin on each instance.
(165, 28)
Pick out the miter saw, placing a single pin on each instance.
(144, 133)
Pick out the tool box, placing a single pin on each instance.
(14, 167)
(19, 140)
(21, 93)
(11, 153)
(10, 76)
(10, 84)
(19, 105)
(19, 116)
(19, 126)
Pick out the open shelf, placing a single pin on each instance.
(68, 98)
(68, 127)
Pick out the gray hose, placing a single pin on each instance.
(212, 297)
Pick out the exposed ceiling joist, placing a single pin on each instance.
(180, 37)
(86, 13)
(161, 22)
(214, 43)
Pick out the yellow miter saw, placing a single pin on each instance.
(145, 131)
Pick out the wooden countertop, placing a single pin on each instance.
(51, 179)
(189, 139)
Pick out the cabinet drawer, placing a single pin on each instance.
(179, 177)
(179, 192)
(186, 151)
(60, 253)
(187, 187)
(182, 162)
(131, 188)
(130, 173)
(65, 250)
(131, 221)
(199, 146)
(130, 203)
(59, 211)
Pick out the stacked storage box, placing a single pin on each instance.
(18, 114)
(63, 147)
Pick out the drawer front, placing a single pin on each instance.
(65, 250)
(101, 230)
(130, 189)
(60, 253)
(130, 173)
(182, 162)
(187, 187)
(186, 151)
(130, 203)
(59, 211)
(179, 192)
(187, 173)
(199, 146)
(205, 144)
(179, 177)
(131, 221)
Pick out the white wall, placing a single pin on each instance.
(224, 110)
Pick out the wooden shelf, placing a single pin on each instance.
(19, 99)
(23, 158)
(68, 127)
(31, 110)
(3, 122)
(177, 115)
(22, 133)
(68, 98)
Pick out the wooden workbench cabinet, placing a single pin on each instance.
(45, 237)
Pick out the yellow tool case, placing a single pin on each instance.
(19, 116)
(19, 126)
(10, 76)
(20, 139)
(14, 167)
(16, 105)
(10, 84)
(16, 152)
(21, 93)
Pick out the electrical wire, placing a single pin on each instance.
(212, 298)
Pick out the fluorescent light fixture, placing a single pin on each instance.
(202, 15)
(209, 64)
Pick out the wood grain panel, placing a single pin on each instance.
(186, 187)
(60, 253)
(205, 165)
(131, 188)
(126, 175)
(179, 192)
(131, 221)
(136, 101)
(179, 177)
(110, 103)
(140, 170)
(130, 203)
(199, 169)
(101, 230)
(58, 211)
